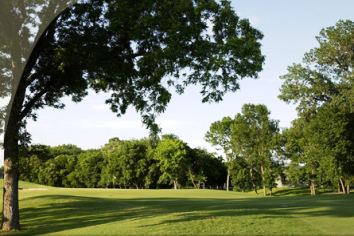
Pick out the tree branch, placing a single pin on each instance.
(30, 104)
(32, 78)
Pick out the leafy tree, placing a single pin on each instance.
(89, 166)
(196, 159)
(323, 91)
(65, 149)
(29, 168)
(126, 47)
(171, 157)
(43, 152)
(54, 172)
(220, 135)
(240, 174)
(128, 162)
(255, 138)
(321, 148)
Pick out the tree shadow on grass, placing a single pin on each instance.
(57, 213)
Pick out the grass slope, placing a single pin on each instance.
(59, 211)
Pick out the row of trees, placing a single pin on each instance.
(145, 163)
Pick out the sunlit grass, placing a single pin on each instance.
(181, 212)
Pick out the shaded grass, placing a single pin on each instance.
(59, 211)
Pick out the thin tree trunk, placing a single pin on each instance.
(264, 187)
(192, 179)
(338, 188)
(254, 186)
(314, 188)
(311, 188)
(270, 191)
(227, 180)
(348, 189)
(341, 182)
(175, 184)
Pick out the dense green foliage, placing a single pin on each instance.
(144, 163)
(320, 142)
(251, 141)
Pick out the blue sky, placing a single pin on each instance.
(289, 29)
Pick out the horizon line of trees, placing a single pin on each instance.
(145, 163)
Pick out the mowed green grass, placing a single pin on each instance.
(60, 211)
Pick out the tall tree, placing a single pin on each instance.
(171, 157)
(219, 134)
(323, 89)
(255, 137)
(126, 47)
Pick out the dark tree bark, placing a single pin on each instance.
(10, 213)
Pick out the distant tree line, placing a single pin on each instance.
(146, 163)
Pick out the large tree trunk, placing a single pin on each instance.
(10, 212)
(227, 180)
